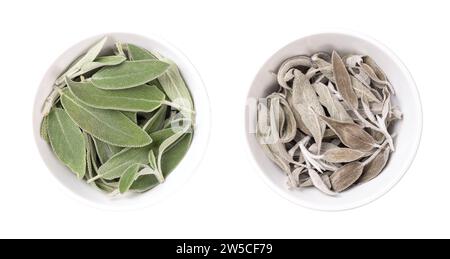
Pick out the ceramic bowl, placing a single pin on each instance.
(408, 130)
(182, 172)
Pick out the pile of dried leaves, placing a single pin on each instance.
(327, 126)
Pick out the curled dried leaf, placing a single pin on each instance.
(297, 61)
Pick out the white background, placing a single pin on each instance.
(227, 41)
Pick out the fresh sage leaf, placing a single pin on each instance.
(90, 56)
(175, 88)
(117, 164)
(98, 63)
(105, 151)
(128, 177)
(131, 115)
(67, 141)
(109, 126)
(129, 74)
(138, 53)
(169, 161)
(144, 98)
(156, 122)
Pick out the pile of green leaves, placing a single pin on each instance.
(121, 121)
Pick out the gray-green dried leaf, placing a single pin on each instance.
(351, 134)
(346, 176)
(342, 155)
(334, 107)
(129, 74)
(343, 81)
(362, 91)
(306, 102)
(374, 168)
(288, 64)
(67, 141)
(319, 183)
(109, 126)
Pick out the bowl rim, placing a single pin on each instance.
(205, 135)
(406, 165)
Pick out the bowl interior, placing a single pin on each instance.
(183, 170)
(408, 130)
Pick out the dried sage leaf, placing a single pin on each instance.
(346, 176)
(334, 107)
(288, 64)
(306, 102)
(343, 81)
(374, 168)
(342, 155)
(351, 134)
(144, 98)
(129, 74)
(319, 183)
(109, 126)
(67, 141)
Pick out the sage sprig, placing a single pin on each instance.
(333, 129)
(122, 122)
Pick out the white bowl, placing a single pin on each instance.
(408, 130)
(181, 173)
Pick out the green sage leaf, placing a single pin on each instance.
(169, 161)
(90, 56)
(131, 115)
(144, 98)
(105, 151)
(67, 141)
(109, 126)
(156, 122)
(128, 178)
(138, 53)
(44, 129)
(129, 74)
(116, 165)
(98, 63)
(175, 88)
